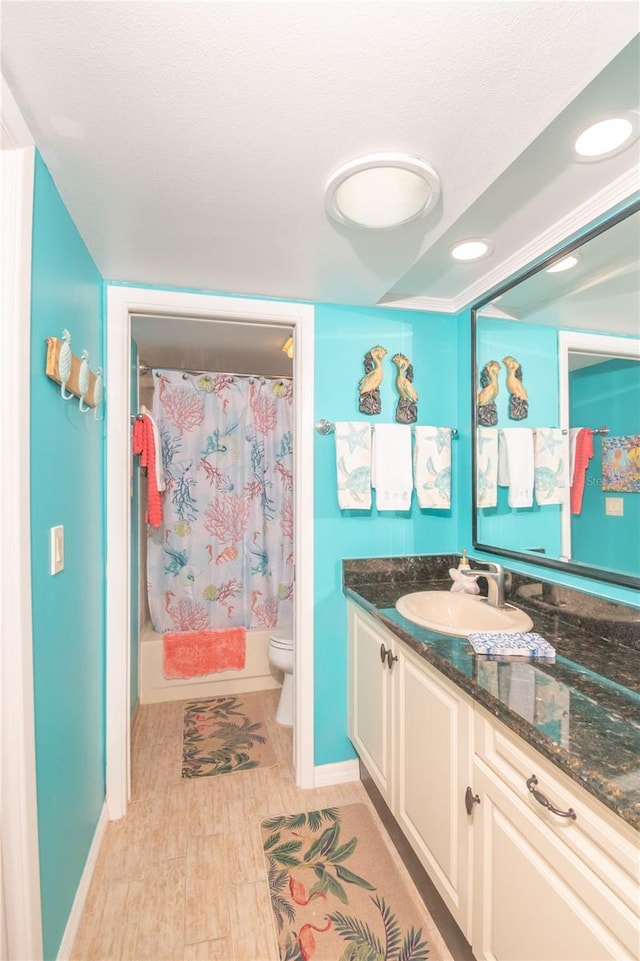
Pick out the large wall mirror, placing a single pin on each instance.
(557, 354)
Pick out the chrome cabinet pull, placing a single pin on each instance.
(391, 657)
(470, 799)
(545, 802)
(383, 653)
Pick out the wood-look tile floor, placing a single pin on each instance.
(182, 876)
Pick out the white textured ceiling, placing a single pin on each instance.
(191, 141)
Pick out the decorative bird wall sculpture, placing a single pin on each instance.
(369, 386)
(407, 407)
(487, 410)
(519, 400)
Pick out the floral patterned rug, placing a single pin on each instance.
(336, 893)
(221, 735)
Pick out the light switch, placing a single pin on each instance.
(56, 549)
(614, 506)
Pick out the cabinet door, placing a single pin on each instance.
(434, 730)
(532, 900)
(370, 699)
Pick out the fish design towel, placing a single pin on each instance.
(487, 467)
(511, 643)
(550, 459)
(193, 653)
(392, 474)
(584, 453)
(515, 465)
(353, 463)
(432, 467)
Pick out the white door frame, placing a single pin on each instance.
(20, 880)
(121, 303)
(574, 341)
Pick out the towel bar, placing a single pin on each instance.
(326, 427)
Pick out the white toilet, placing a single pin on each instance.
(281, 657)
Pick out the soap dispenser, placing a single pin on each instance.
(463, 583)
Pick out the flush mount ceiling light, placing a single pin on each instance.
(607, 137)
(565, 264)
(476, 248)
(382, 190)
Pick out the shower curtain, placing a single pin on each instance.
(223, 556)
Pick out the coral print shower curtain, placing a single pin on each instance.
(224, 554)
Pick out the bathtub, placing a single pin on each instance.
(256, 676)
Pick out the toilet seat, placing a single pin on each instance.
(281, 657)
(282, 640)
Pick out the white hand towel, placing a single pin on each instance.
(573, 437)
(353, 463)
(550, 459)
(487, 467)
(392, 475)
(158, 448)
(432, 467)
(515, 465)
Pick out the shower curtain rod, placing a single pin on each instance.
(145, 368)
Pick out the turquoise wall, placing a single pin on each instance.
(68, 608)
(596, 538)
(343, 335)
(536, 347)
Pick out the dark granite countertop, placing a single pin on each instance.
(582, 711)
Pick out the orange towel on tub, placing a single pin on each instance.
(192, 653)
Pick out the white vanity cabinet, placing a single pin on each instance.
(548, 885)
(370, 698)
(522, 882)
(412, 728)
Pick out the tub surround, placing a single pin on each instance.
(258, 675)
(596, 668)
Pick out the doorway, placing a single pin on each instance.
(122, 304)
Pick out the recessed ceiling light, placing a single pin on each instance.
(607, 137)
(565, 264)
(382, 190)
(473, 249)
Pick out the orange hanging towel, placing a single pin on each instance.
(584, 453)
(144, 445)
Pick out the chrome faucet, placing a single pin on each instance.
(495, 581)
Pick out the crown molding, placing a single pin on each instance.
(617, 192)
(437, 305)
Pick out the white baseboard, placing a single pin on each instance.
(339, 773)
(71, 930)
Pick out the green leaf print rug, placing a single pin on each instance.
(336, 893)
(222, 735)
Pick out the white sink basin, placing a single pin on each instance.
(460, 614)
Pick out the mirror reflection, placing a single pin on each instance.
(557, 413)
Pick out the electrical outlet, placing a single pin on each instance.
(614, 506)
(56, 549)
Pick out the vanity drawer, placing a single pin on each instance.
(607, 845)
